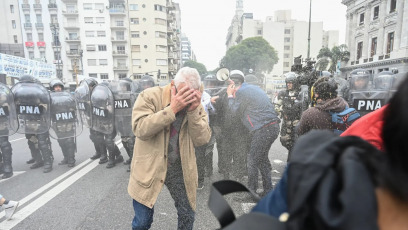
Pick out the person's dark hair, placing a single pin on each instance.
(326, 87)
(394, 134)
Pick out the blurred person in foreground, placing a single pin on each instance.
(168, 123)
(346, 183)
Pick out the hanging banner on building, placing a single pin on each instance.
(14, 66)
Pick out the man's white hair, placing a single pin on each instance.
(188, 75)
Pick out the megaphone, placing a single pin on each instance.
(223, 74)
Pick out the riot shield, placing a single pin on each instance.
(83, 100)
(342, 85)
(32, 102)
(124, 97)
(65, 122)
(102, 103)
(8, 116)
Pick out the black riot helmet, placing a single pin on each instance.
(292, 77)
(146, 82)
(92, 82)
(56, 82)
(326, 74)
(359, 79)
(326, 88)
(28, 78)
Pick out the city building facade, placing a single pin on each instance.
(187, 52)
(11, 40)
(377, 35)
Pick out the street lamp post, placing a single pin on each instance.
(57, 44)
(308, 37)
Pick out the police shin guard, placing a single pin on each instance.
(7, 152)
(38, 159)
(104, 156)
(44, 144)
(97, 153)
(71, 155)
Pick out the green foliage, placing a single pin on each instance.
(202, 70)
(252, 53)
(331, 57)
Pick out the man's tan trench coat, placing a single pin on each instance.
(151, 120)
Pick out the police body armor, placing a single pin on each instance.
(32, 102)
(83, 100)
(102, 104)
(65, 122)
(8, 116)
(124, 94)
(363, 97)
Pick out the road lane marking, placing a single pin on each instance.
(15, 173)
(17, 139)
(20, 215)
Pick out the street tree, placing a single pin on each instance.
(331, 57)
(202, 70)
(252, 53)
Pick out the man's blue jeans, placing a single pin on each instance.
(262, 140)
(175, 183)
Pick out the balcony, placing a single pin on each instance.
(72, 53)
(117, 11)
(52, 6)
(71, 26)
(119, 53)
(70, 12)
(56, 44)
(386, 56)
(120, 67)
(37, 7)
(170, 30)
(39, 26)
(170, 55)
(120, 39)
(25, 7)
(73, 39)
(54, 24)
(28, 25)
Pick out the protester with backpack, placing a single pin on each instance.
(328, 107)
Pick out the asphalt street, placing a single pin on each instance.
(90, 196)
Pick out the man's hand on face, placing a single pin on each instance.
(196, 102)
(182, 98)
(231, 88)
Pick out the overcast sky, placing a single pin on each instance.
(206, 22)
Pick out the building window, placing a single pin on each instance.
(99, 6)
(359, 50)
(94, 75)
(361, 18)
(376, 12)
(136, 62)
(160, 34)
(286, 55)
(12, 9)
(27, 18)
(135, 34)
(91, 62)
(42, 55)
(122, 75)
(101, 47)
(134, 21)
(159, 8)
(88, 20)
(259, 32)
(373, 47)
(31, 54)
(133, 6)
(101, 33)
(73, 35)
(40, 37)
(390, 42)
(13, 24)
(39, 18)
(393, 5)
(287, 39)
(29, 36)
(160, 48)
(103, 61)
(160, 21)
(286, 64)
(287, 47)
(135, 48)
(90, 47)
(161, 62)
(121, 49)
(287, 31)
(120, 35)
(87, 6)
(121, 62)
(15, 39)
(100, 20)
(120, 23)
(89, 33)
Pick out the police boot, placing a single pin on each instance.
(48, 164)
(7, 168)
(71, 157)
(97, 153)
(1, 168)
(129, 152)
(38, 160)
(104, 155)
(65, 160)
(32, 160)
(118, 155)
(112, 159)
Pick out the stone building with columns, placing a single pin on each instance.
(377, 35)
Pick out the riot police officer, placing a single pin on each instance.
(290, 106)
(362, 95)
(8, 126)
(33, 111)
(64, 122)
(146, 82)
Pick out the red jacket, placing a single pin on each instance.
(369, 128)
